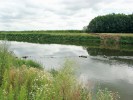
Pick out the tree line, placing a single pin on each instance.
(111, 23)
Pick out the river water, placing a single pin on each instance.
(112, 69)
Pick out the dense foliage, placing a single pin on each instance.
(111, 23)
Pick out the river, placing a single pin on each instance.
(112, 69)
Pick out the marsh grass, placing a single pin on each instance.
(24, 80)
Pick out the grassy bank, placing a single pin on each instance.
(21, 80)
(64, 37)
(52, 38)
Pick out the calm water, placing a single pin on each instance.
(111, 69)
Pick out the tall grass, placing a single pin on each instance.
(8, 59)
(31, 83)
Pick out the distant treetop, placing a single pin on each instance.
(111, 23)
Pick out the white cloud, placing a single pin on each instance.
(56, 14)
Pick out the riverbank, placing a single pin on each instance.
(68, 37)
(23, 81)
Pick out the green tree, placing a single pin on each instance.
(111, 23)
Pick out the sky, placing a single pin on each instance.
(56, 14)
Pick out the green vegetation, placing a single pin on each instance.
(45, 32)
(111, 23)
(66, 38)
(26, 81)
(8, 59)
(39, 37)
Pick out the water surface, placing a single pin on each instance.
(109, 68)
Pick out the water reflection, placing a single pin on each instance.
(111, 68)
(40, 50)
(108, 52)
(51, 56)
(112, 56)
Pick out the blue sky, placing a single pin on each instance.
(56, 14)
